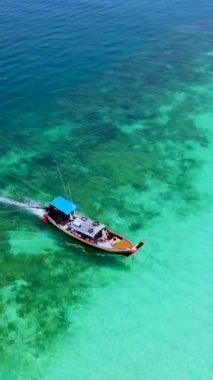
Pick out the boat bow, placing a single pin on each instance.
(135, 248)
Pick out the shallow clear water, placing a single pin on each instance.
(119, 96)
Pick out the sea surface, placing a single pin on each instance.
(117, 96)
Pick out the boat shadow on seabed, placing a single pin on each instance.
(90, 254)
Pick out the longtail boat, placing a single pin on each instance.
(63, 214)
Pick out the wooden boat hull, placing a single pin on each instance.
(125, 248)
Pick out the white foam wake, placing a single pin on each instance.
(29, 205)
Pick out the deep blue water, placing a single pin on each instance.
(48, 47)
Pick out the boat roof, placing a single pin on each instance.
(63, 205)
(87, 226)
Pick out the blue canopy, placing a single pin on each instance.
(63, 205)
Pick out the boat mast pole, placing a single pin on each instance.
(69, 192)
(62, 181)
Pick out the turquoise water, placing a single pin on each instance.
(119, 96)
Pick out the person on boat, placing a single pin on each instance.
(114, 241)
(104, 234)
(71, 218)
